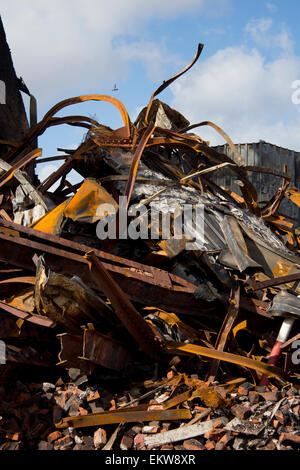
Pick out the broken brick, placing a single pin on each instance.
(271, 396)
(226, 438)
(54, 436)
(63, 443)
(100, 438)
(289, 439)
(139, 439)
(253, 397)
(193, 444)
(280, 417)
(215, 434)
(126, 442)
(220, 446)
(240, 411)
(245, 388)
(210, 445)
(270, 446)
(44, 445)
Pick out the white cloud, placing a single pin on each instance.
(154, 56)
(46, 170)
(262, 31)
(284, 41)
(258, 28)
(250, 97)
(271, 7)
(219, 31)
(62, 48)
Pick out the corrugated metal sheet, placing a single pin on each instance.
(265, 155)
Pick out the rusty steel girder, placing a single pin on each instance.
(149, 340)
(93, 348)
(144, 284)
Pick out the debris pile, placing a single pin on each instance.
(179, 412)
(146, 307)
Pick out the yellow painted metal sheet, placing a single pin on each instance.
(51, 222)
(82, 207)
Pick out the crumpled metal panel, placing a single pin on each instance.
(236, 246)
(65, 301)
(52, 221)
(83, 207)
(285, 305)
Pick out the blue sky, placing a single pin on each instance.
(242, 80)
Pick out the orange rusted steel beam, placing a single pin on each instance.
(123, 416)
(271, 208)
(8, 143)
(168, 82)
(5, 215)
(74, 120)
(93, 347)
(222, 133)
(104, 351)
(31, 317)
(65, 168)
(40, 128)
(149, 340)
(17, 166)
(61, 171)
(261, 367)
(41, 241)
(144, 284)
(19, 280)
(177, 400)
(136, 160)
(293, 194)
(52, 159)
(255, 286)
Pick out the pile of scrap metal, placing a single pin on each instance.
(117, 301)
